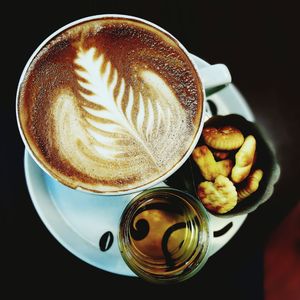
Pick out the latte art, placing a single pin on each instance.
(144, 123)
(104, 110)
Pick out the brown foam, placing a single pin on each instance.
(68, 124)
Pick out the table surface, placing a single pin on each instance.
(256, 42)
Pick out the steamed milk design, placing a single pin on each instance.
(110, 105)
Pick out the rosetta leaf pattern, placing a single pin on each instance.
(110, 108)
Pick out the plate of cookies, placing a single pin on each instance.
(234, 166)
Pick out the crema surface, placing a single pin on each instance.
(110, 105)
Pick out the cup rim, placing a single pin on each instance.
(140, 187)
(198, 206)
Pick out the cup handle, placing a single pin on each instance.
(222, 230)
(214, 75)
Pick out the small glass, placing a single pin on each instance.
(164, 235)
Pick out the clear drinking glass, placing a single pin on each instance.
(164, 235)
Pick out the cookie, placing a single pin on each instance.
(244, 159)
(223, 138)
(209, 168)
(251, 185)
(219, 196)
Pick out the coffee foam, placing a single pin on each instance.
(110, 105)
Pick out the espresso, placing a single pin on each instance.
(110, 104)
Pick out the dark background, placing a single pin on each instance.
(257, 43)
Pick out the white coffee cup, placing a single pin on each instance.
(211, 76)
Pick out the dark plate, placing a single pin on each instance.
(189, 176)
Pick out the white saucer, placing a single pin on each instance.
(87, 225)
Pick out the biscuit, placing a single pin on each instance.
(219, 196)
(251, 185)
(209, 168)
(244, 159)
(224, 138)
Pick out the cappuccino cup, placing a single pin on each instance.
(112, 104)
